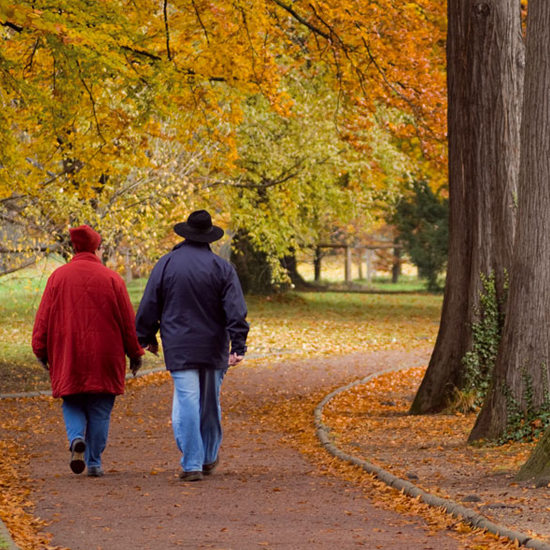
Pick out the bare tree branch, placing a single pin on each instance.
(12, 26)
(39, 248)
(144, 53)
(166, 29)
(92, 99)
(19, 267)
(28, 66)
(12, 198)
(200, 22)
(301, 19)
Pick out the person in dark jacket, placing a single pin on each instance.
(194, 297)
(83, 330)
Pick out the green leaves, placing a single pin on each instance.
(126, 115)
(422, 225)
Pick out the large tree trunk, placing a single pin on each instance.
(290, 263)
(396, 264)
(537, 466)
(252, 266)
(484, 57)
(317, 264)
(521, 372)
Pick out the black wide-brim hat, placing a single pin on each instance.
(198, 227)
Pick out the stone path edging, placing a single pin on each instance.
(457, 510)
(6, 542)
(451, 507)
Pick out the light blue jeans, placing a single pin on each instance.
(87, 415)
(196, 416)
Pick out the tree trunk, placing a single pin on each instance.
(370, 267)
(537, 466)
(290, 263)
(348, 266)
(252, 266)
(359, 260)
(396, 267)
(317, 264)
(521, 373)
(484, 56)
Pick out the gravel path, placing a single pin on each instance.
(264, 494)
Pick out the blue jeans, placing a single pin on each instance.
(196, 416)
(87, 415)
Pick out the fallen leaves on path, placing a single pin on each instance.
(15, 506)
(370, 422)
(364, 415)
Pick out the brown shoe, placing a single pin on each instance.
(208, 469)
(191, 476)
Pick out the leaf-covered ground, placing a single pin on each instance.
(369, 421)
(147, 505)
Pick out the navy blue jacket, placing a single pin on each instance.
(196, 300)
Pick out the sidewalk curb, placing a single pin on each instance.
(6, 542)
(457, 510)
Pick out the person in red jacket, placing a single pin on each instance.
(83, 330)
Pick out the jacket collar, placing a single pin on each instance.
(86, 256)
(195, 244)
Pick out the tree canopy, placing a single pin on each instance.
(128, 114)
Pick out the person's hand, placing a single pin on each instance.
(136, 364)
(153, 348)
(44, 363)
(234, 359)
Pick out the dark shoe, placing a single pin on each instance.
(191, 476)
(95, 471)
(77, 464)
(208, 469)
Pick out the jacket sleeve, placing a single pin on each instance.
(150, 308)
(41, 322)
(235, 313)
(127, 315)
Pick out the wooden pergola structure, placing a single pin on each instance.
(368, 249)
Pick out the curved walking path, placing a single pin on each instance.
(265, 494)
(453, 508)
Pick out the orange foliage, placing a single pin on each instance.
(92, 82)
(349, 413)
(15, 504)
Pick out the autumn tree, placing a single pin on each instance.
(485, 74)
(521, 376)
(357, 47)
(89, 92)
(296, 179)
(86, 88)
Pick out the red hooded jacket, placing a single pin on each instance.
(84, 327)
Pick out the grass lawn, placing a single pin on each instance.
(333, 276)
(302, 324)
(19, 299)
